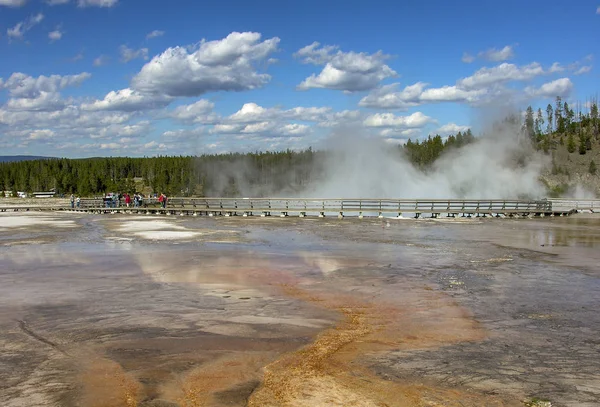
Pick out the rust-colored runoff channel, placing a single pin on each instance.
(332, 370)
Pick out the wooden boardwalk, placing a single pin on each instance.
(334, 207)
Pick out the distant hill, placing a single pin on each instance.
(13, 158)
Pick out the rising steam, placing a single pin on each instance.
(500, 165)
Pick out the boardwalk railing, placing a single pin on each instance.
(340, 207)
(592, 205)
(284, 206)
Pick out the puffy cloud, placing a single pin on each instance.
(497, 55)
(222, 65)
(129, 54)
(484, 86)
(155, 34)
(45, 101)
(226, 128)
(294, 129)
(261, 127)
(414, 120)
(560, 87)
(452, 128)
(21, 85)
(56, 2)
(251, 112)
(101, 60)
(21, 28)
(55, 35)
(13, 3)
(197, 112)
(556, 67)
(347, 71)
(417, 94)
(451, 94)
(492, 54)
(312, 54)
(502, 73)
(323, 116)
(128, 100)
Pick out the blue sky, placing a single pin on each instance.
(120, 77)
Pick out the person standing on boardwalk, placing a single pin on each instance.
(161, 200)
(72, 201)
(127, 199)
(78, 200)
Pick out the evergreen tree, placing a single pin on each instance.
(582, 149)
(571, 143)
(539, 122)
(558, 115)
(592, 168)
(550, 114)
(529, 123)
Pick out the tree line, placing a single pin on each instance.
(206, 175)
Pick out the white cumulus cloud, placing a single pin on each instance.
(492, 54)
(21, 85)
(559, 87)
(502, 73)
(129, 54)
(200, 111)
(347, 71)
(128, 100)
(414, 120)
(389, 97)
(228, 64)
(44, 101)
(497, 55)
(451, 128)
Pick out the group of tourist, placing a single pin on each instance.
(75, 201)
(116, 200)
(136, 200)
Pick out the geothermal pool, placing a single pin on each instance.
(169, 311)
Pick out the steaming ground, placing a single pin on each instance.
(298, 312)
(500, 165)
